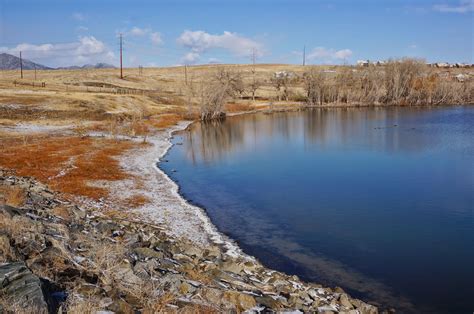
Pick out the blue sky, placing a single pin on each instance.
(162, 33)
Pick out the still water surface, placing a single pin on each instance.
(377, 201)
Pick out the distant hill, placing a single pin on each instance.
(100, 65)
(10, 62)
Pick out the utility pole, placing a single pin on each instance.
(35, 71)
(304, 55)
(186, 74)
(121, 68)
(21, 66)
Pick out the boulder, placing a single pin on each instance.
(21, 286)
(242, 301)
(344, 300)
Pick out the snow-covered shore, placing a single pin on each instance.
(166, 206)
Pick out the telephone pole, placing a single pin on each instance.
(35, 71)
(21, 66)
(304, 55)
(186, 74)
(121, 68)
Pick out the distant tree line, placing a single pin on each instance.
(398, 82)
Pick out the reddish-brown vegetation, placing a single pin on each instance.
(67, 164)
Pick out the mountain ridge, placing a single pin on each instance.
(11, 62)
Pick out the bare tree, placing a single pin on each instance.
(224, 85)
(315, 86)
(400, 75)
(253, 86)
(281, 82)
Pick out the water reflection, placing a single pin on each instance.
(375, 128)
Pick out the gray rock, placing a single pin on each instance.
(145, 253)
(19, 284)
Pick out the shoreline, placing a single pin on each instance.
(213, 233)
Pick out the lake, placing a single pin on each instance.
(378, 201)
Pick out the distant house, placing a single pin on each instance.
(363, 63)
(442, 65)
(462, 65)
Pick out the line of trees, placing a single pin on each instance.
(398, 82)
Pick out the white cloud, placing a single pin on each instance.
(413, 46)
(87, 49)
(328, 55)
(78, 16)
(200, 42)
(191, 58)
(138, 32)
(463, 6)
(82, 28)
(155, 38)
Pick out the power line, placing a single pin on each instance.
(21, 66)
(121, 68)
(304, 55)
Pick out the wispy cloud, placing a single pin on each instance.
(463, 6)
(200, 42)
(87, 49)
(137, 32)
(155, 38)
(78, 16)
(326, 55)
(82, 28)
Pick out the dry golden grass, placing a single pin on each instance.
(199, 276)
(10, 305)
(17, 226)
(165, 120)
(239, 107)
(82, 305)
(136, 200)
(68, 164)
(12, 195)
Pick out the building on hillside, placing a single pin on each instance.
(363, 63)
(442, 65)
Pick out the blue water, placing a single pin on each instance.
(377, 201)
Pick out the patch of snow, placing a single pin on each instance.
(34, 128)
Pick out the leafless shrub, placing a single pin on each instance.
(315, 85)
(400, 77)
(222, 86)
(282, 81)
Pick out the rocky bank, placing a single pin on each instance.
(57, 256)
